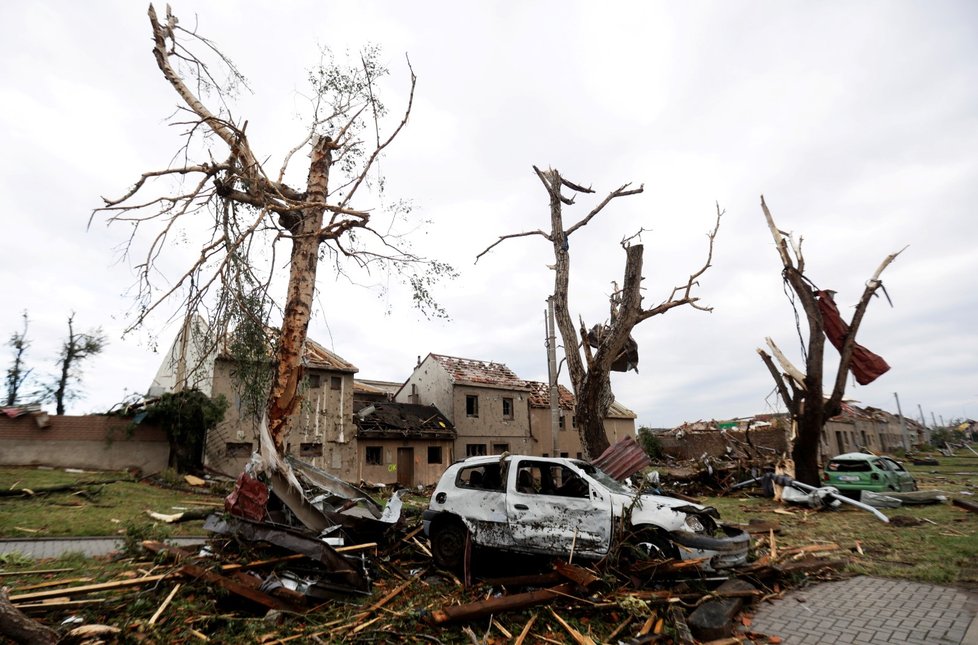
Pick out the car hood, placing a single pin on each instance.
(667, 512)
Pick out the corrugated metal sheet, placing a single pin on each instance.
(623, 459)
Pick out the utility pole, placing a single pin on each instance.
(552, 365)
(903, 425)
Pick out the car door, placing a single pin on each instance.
(553, 508)
(902, 480)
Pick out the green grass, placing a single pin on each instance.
(99, 509)
(941, 549)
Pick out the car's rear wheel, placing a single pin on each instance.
(448, 543)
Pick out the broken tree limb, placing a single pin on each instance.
(796, 374)
(483, 608)
(968, 506)
(19, 628)
(41, 490)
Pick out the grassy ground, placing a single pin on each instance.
(937, 543)
(97, 509)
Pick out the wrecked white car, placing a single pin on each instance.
(555, 506)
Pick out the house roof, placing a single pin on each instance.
(317, 356)
(619, 411)
(368, 386)
(403, 420)
(540, 396)
(467, 371)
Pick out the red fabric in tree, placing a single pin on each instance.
(865, 365)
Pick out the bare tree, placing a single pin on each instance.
(17, 374)
(591, 354)
(802, 391)
(76, 348)
(228, 190)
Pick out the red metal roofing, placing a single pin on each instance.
(623, 459)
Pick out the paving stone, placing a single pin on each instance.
(868, 610)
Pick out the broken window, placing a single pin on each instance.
(486, 477)
(310, 450)
(500, 448)
(560, 423)
(335, 382)
(475, 449)
(233, 449)
(507, 408)
(472, 406)
(373, 455)
(313, 380)
(434, 455)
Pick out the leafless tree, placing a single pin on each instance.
(78, 346)
(802, 391)
(592, 353)
(17, 374)
(228, 194)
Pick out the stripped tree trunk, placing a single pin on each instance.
(806, 402)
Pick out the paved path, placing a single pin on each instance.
(867, 610)
(42, 549)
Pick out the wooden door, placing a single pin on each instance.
(405, 466)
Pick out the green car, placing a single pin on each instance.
(857, 471)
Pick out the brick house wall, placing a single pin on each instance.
(89, 442)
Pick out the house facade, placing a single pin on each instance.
(323, 432)
(487, 403)
(407, 443)
(619, 423)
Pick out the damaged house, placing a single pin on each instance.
(494, 411)
(404, 442)
(324, 435)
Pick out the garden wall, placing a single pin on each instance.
(88, 442)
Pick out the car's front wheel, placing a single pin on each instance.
(448, 543)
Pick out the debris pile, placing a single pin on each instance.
(322, 561)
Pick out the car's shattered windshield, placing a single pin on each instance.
(605, 479)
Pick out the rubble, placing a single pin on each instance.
(325, 561)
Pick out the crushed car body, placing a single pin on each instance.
(559, 506)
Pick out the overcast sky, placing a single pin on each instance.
(858, 122)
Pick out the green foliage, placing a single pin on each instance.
(186, 416)
(137, 533)
(650, 443)
(250, 349)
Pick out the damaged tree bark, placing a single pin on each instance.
(591, 373)
(19, 628)
(803, 393)
(250, 208)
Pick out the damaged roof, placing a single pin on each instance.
(467, 371)
(317, 356)
(400, 420)
(540, 396)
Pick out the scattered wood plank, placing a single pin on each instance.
(263, 599)
(68, 592)
(526, 630)
(579, 638)
(163, 606)
(33, 572)
(50, 583)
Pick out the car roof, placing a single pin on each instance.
(855, 456)
(489, 459)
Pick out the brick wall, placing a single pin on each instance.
(693, 444)
(90, 442)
